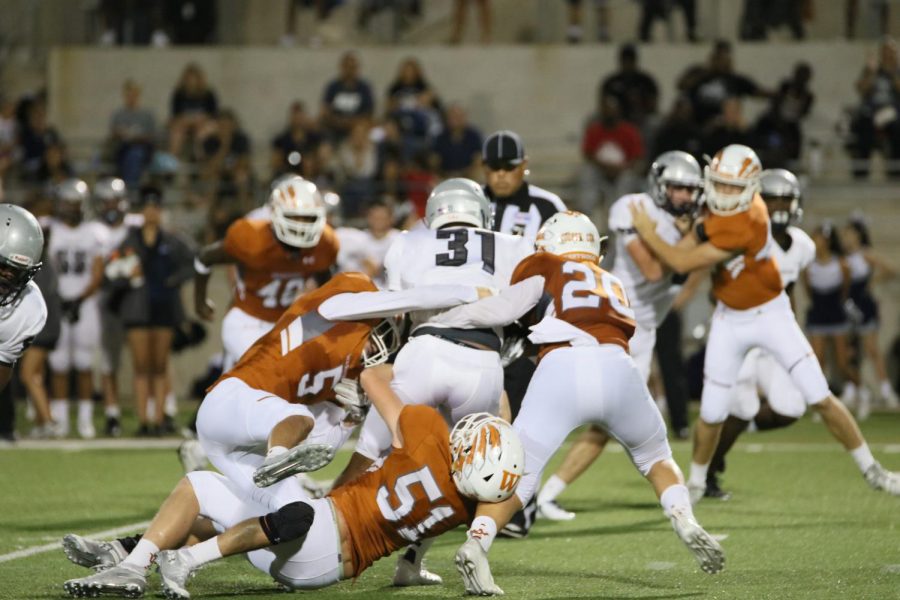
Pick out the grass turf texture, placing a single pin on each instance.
(802, 524)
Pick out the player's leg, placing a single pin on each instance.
(160, 343)
(239, 332)
(870, 347)
(112, 340)
(33, 368)
(139, 346)
(60, 361)
(85, 342)
(586, 448)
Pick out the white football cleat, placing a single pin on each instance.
(409, 574)
(86, 430)
(93, 554)
(880, 478)
(192, 456)
(174, 570)
(705, 549)
(472, 564)
(863, 404)
(302, 458)
(552, 511)
(125, 581)
(696, 491)
(889, 396)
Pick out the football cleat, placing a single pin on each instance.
(472, 564)
(302, 458)
(880, 478)
(192, 456)
(696, 491)
(409, 574)
(86, 430)
(113, 427)
(93, 554)
(124, 581)
(714, 490)
(174, 571)
(552, 511)
(863, 404)
(705, 549)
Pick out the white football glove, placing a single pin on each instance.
(352, 397)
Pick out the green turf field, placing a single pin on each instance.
(802, 524)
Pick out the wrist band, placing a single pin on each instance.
(200, 267)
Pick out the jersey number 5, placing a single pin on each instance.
(592, 294)
(402, 491)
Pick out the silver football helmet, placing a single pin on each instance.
(458, 200)
(781, 184)
(674, 168)
(21, 248)
(71, 196)
(111, 199)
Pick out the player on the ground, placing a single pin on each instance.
(77, 249)
(426, 486)
(277, 261)
(22, 308)
(764, 392)
(752, 311)
(675, 182)
(585, 375)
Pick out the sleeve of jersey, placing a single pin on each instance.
(417, 423)
(725, 233)
(495, 311)
(327, 249)
(392, 266)
(620, 221)
(238, 242)
(32, 323)
(376, 305)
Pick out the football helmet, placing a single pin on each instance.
(383, 341)
(486, 457)
(458, 200)
(781, 184)
(71, 197)
(111, 198)
(21, 248)
(734, 165)
(572, 234)
(298, 212)
(675, 168)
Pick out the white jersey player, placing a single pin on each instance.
(363, 250)
(77, 249)
(453, 368)
(22, 308)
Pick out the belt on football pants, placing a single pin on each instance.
(469, 338)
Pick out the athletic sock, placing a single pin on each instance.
(698, 474)
(85, 410)
(483, 530)
(552, 488)
(143, 555)
(204, 552)
(112, 412)
(151, 410)
(863, 457)
(276, 451)
(676, 498)
(59, 412)
(415, 552)
(171, 405)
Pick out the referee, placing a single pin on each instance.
(520, 208)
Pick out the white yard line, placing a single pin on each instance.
(31, 551)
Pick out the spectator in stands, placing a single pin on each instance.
(877, 123)
(357, 166)
(460, 9)
(635, 90)
(159, 262)
(678, 131)
(9, 133)
(762, 15)
(190, 22)
(575, 32)
(654, 10)
(611, 148)
(709, 85)
(456, 150)
(347, 99)
(414, 104)
(778, 132)
(296, 142)
(194, 107)
(132, 135)
(34, 138)
(226, 157)
(55, 167)
(729, 127)
(363, 250)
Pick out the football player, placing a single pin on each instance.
(752, 311)
(22, 308)
(77, 249)
(584, 375)
(277, 261)
(363, 250)
(427, 485)
(675, 182)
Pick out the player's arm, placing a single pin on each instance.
(351, 306)
(376, 382)
(496, 311)
(651, 268)
(212, 254)
(689, 289)
(97, 267)
(688, 255)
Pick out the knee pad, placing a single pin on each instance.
(288, 523)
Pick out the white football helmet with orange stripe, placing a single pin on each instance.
(572, 234)
(298, 212)
(486, 457)
(731, 179)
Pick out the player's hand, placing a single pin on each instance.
(641, 220)
(205, 308)
(351, 396)
(684, 224)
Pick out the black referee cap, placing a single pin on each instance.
(503, 149)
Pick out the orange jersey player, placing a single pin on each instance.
(277, 261)
(752, 311)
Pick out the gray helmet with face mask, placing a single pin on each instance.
(21, 248)
(458, 201)
(111, 199)
(782, 184)
(71, 196)
(674, 168)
